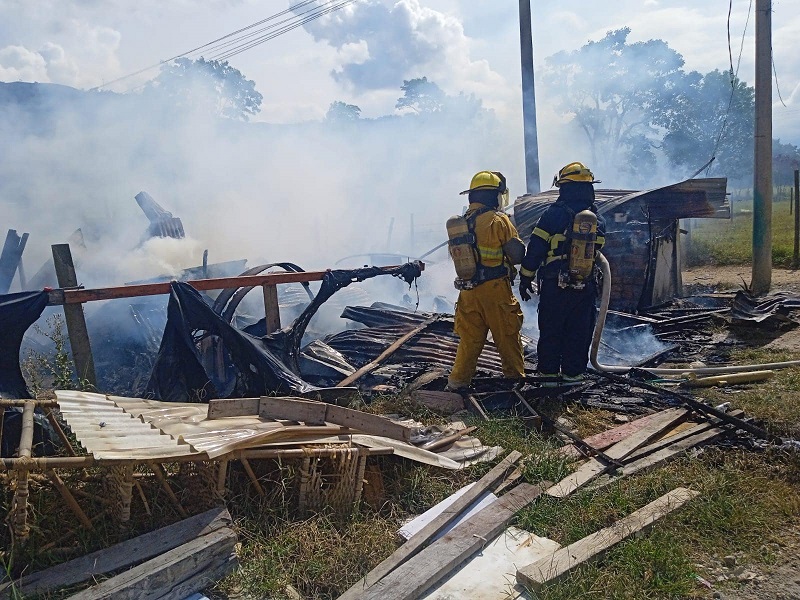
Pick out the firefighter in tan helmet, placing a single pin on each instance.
(560, 255)
(485, 246)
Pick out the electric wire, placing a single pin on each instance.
(223, 45)
(258, 41)
(249, 40)
(733, 76)
(775, 72)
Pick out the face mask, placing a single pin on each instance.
(502, 200)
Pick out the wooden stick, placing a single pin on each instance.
(65, 441)
(249, 470)
(386, 353)
(162, 478)
(69, 499)
(444, 440)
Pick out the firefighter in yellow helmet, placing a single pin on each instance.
(560, 255)
(485, 246)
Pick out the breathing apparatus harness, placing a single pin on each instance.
(577, 265)
(463, 246)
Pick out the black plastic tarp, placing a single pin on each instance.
(259, 365)
(17, 313)
(178, 374)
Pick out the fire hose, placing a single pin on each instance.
(598, 332)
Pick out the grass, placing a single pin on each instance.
(730, 242)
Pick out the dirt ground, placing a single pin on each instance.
(782, 580)
(728, 278)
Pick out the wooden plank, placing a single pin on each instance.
(159, 576)
(419, 573)
(272, 313)
(312, 413)
(220, 283)
(120, 555)
(551, 568)
(232, 407)
(427, 533)
(386, 353)
(73, 314)
(675, 437)
(671, 451)
(608, 438)
(443, 402)
(593, 467)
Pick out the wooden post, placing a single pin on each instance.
(762, 175)
(271, 310)
(73, 313)
(532, 183)
(796, 254)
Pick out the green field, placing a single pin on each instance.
(730, 242)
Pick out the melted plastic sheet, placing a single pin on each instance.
(178, 374)
(261, 365)
(17, 313)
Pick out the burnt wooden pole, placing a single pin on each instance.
(796, 254)
(762, 175)
(73, 314)
(272, 314)
(532, 183)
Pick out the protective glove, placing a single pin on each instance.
(526, 287)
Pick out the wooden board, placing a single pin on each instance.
(232, 407)
(120, 555)
(551, 568)
(608, 438)
(427, 533)
(675, 437)
(315, 413)
(410, 580)
(187, 568)
(593, 467)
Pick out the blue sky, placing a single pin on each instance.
(463, 46)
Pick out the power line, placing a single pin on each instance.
(260, 40)
(734, 77)
(239, 45)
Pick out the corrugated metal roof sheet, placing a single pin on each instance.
(693, 198)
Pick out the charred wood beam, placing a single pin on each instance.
(10, 258)
(694, 404)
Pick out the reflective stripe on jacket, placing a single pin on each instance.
(492, 229)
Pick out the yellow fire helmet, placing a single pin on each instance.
(574, 171)
(490, 180)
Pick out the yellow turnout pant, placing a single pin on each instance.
(489, 307)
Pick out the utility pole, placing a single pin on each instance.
(528, 99)
(762, 175)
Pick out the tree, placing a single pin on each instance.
(209, 85)
(713, 116)
(339, 112)
(785, 160)
(614, 91)
(421, 96)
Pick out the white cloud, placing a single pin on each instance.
(403, 40)
(17, 63)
